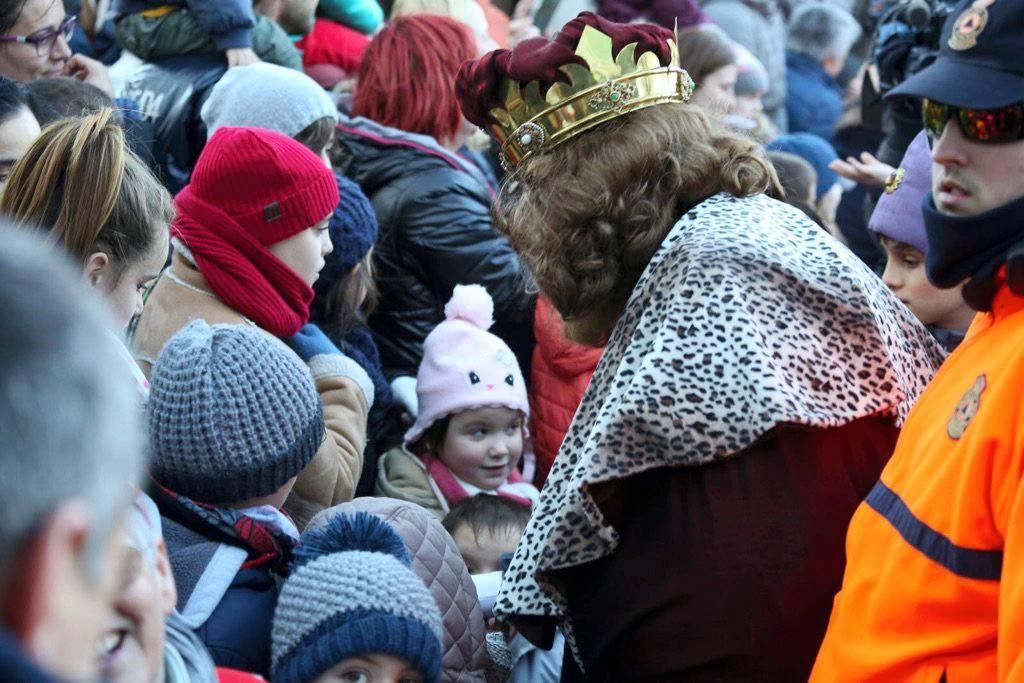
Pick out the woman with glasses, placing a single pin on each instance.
(34, 44)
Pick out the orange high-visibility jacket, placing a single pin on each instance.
(934, 582)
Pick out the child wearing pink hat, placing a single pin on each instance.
(470, 433)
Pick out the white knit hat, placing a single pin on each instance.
(266, 96)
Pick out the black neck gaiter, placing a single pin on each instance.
(974, 248)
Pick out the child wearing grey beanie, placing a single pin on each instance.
(234, 416)
(354, 610)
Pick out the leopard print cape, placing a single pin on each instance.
(747, 316)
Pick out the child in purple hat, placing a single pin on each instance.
(898, 224)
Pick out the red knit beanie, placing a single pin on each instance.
(250, 189)
(273, 186)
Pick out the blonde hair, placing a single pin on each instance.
(81, 183)
(460, 10)
(587, 216)
(467, 12)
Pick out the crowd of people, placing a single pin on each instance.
(511, 340)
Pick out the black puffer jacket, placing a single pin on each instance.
(435, 232)
(170, 95)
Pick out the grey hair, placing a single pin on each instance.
(821, 30)
(70, 414)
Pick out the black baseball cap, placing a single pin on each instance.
(981, 58)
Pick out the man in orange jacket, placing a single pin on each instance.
(934, 582)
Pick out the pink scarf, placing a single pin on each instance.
(454, 492)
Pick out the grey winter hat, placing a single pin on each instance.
(232, 413)
(266, 96)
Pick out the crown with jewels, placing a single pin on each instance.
(610, 86)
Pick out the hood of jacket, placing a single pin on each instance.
(376, 156)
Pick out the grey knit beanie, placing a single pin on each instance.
(266, 96)
(232, 412)
(351, 593)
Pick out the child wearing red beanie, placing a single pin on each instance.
(249, 241)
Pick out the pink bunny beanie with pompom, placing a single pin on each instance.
(464, 366)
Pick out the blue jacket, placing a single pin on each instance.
(814, 102)
(170, 95)
(229, 607)
(228, 22)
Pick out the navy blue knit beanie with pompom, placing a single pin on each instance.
(351, 593)
(353, 230)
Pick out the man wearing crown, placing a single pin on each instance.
(752, 385)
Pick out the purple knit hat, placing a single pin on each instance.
(898, 214)
(464, 366)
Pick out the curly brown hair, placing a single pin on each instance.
(588, 216)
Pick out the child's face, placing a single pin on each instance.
(305, 252)
(482, 552)
(133, 645)
(372, 668)
(905, 276)
(750, 106)
(483, 445)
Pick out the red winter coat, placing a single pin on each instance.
(334, 44)
(559, 377)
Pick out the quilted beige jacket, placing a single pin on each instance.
(436, 560)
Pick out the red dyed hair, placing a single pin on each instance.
(407, 78)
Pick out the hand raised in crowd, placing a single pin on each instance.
(867, 170)
(241, 56)
(89, 71)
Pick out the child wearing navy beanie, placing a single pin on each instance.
(353, 606)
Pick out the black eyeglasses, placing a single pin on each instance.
(44, 39)
(1005, 124)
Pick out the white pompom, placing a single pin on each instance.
(473, 304)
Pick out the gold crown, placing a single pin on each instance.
(612, 86)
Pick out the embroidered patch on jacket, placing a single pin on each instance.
(966, 409)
